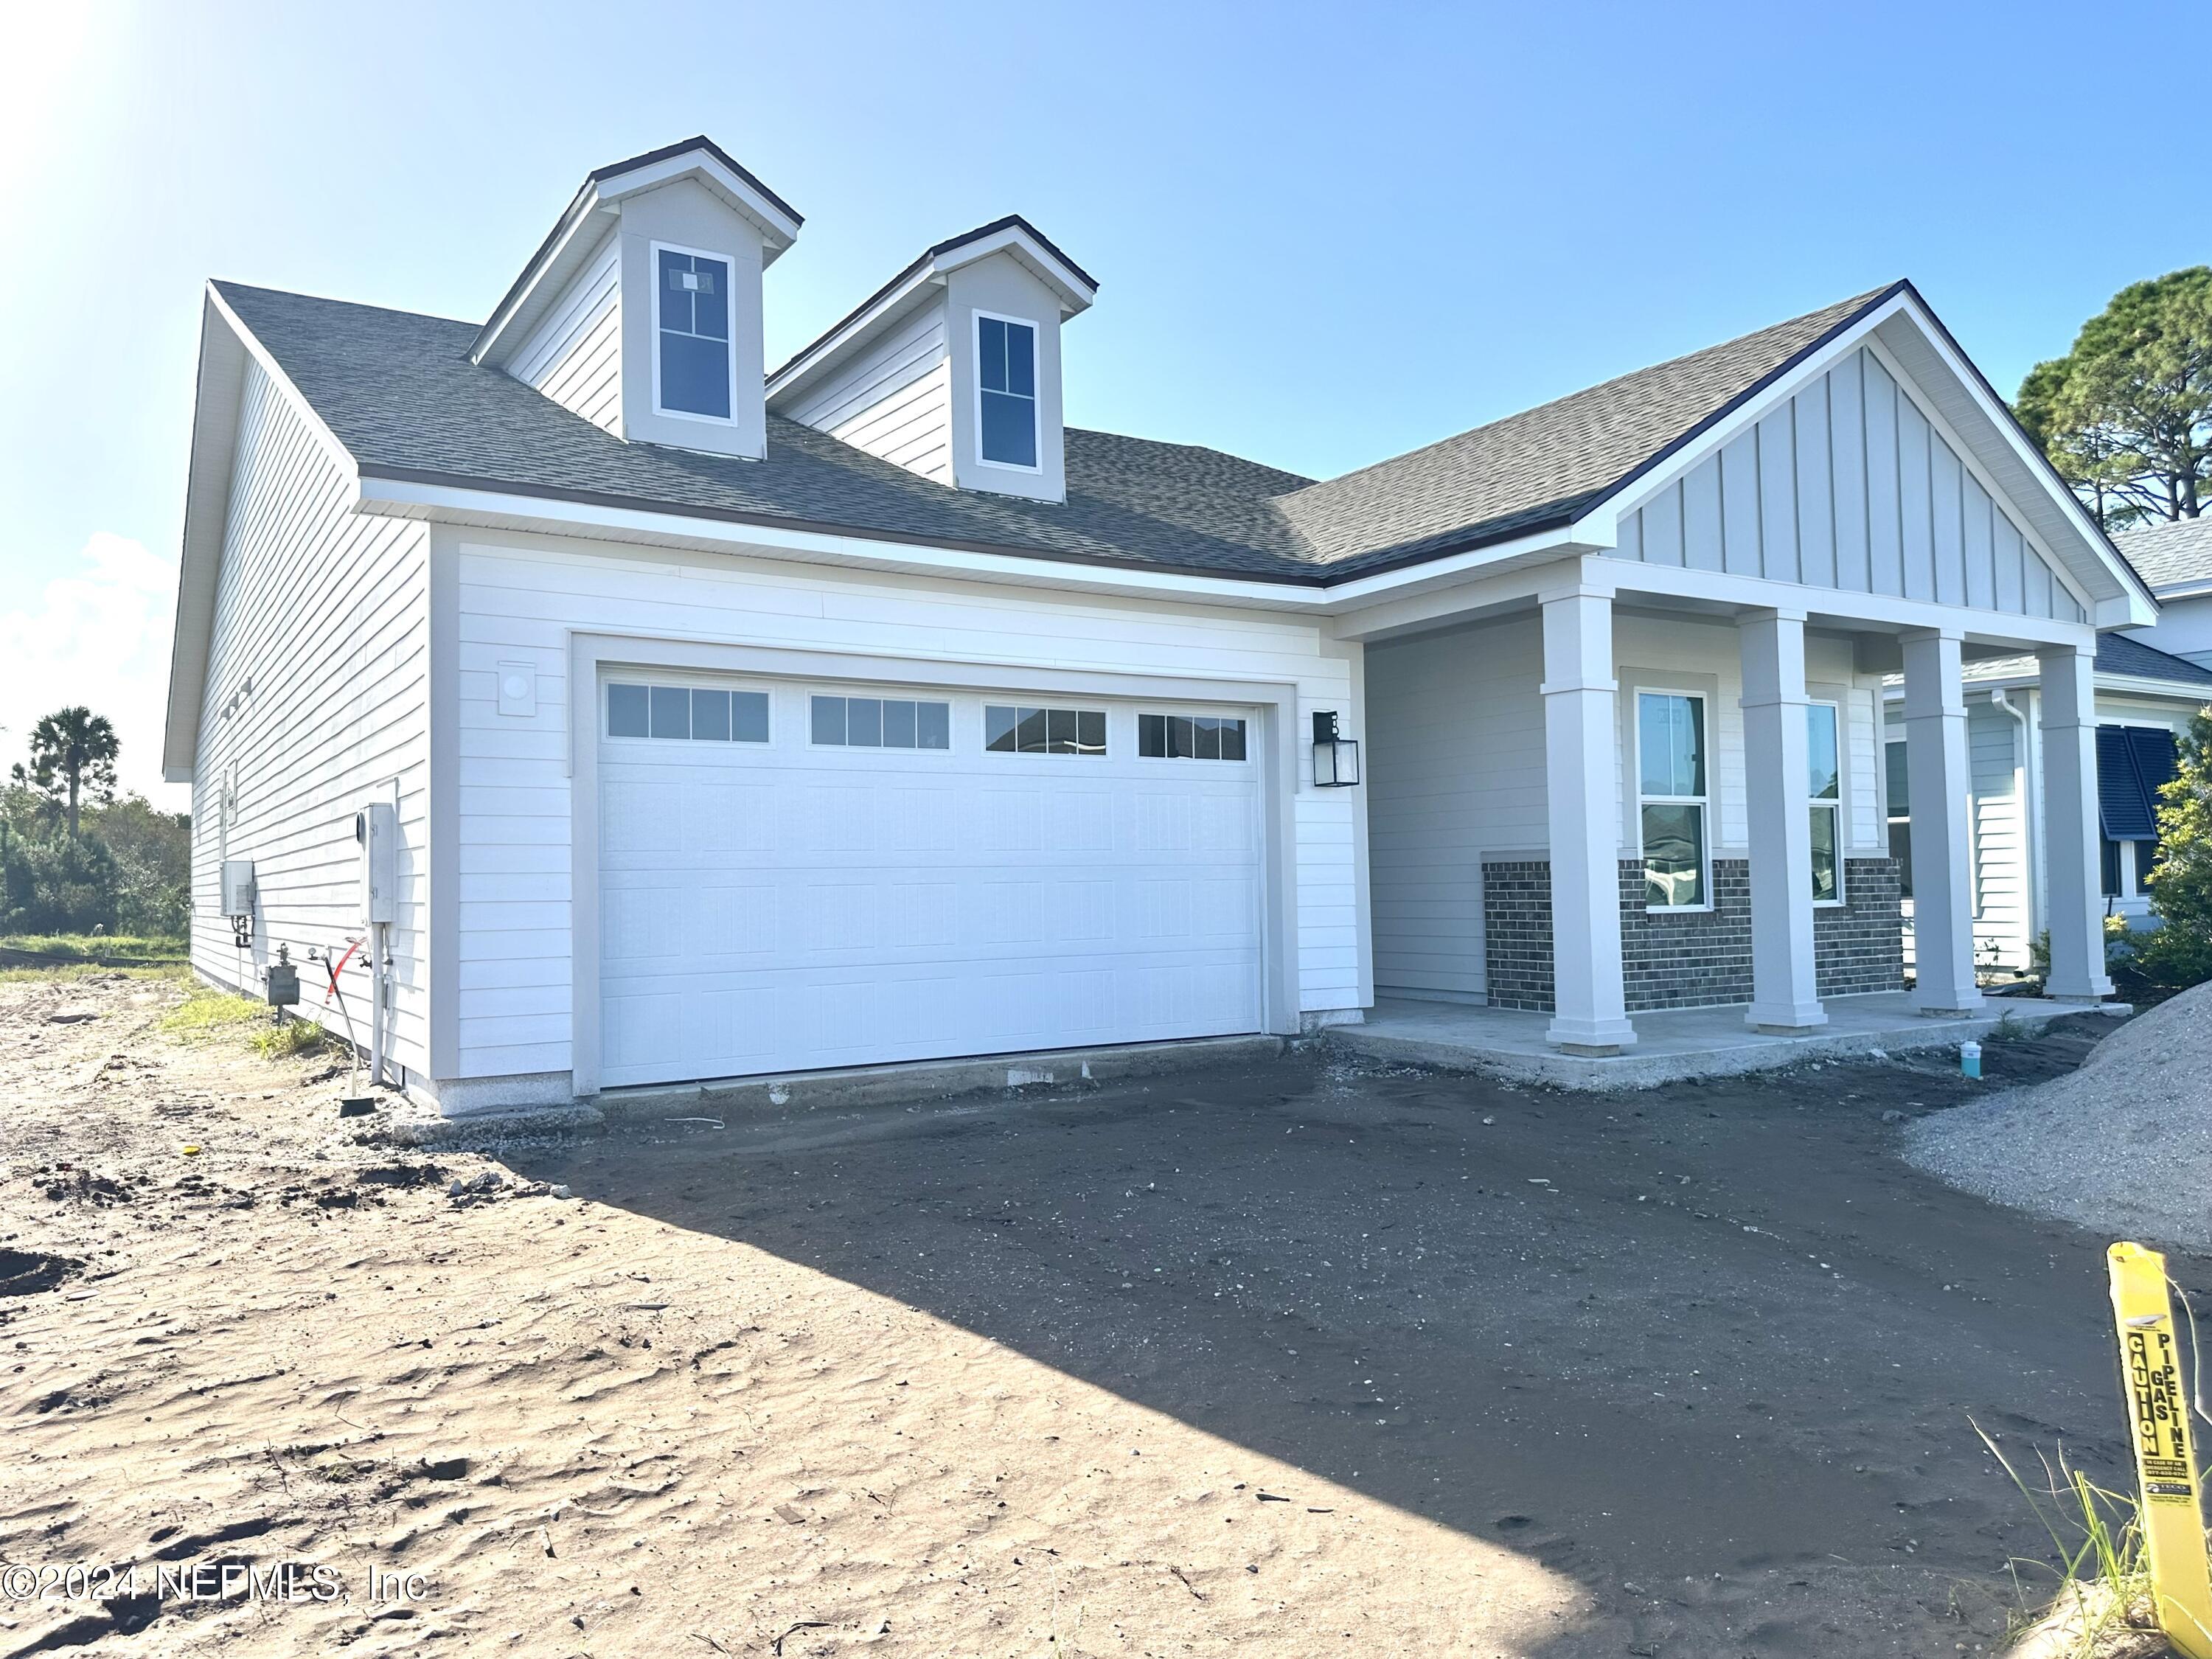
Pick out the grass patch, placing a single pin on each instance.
(172, 973)
(98, 950)
(2103, 1609)
(206, 1011)
(293, 1037)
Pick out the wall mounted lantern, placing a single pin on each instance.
(1335, 760)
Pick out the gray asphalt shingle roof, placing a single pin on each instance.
(2169, 555)
(2117, 653)
(398, 391)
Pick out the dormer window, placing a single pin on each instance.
(1006, 391)
(693, 373)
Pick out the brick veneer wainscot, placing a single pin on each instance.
(1689, 958)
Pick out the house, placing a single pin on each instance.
(2148, 684)
(645, 715)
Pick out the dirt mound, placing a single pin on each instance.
(2123, 1146)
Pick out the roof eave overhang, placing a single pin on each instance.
(227, 350)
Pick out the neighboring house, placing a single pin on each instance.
(705, 723)
(2148, 687)
(2144, 700)
(2175, 562)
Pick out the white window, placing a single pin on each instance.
(881, 723)
(1006, 391)
(1012, 730)
(1670, 749)
(694, 372)
(687, 712)
(1190, 737)
(1824, 785)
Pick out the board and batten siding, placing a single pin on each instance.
(894, 400)
(574, 357)
(316, 702)
(1848, 486)
(1456, 771)
(520, 599)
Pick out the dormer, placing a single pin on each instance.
(952, 369)
(642, 312)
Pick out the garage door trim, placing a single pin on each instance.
(591, 654)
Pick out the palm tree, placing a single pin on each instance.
(74, 749)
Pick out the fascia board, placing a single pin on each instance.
(1074, 293)
(226, 345)
(885, 312)
(778, 229)
(493, 508)
(576, 235)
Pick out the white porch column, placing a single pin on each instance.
(1942, 864)
(1778, 789)
(1580, 770)
(2070, 832)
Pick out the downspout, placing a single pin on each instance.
(2023, 774)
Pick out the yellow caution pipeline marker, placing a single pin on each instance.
(2166, 1470)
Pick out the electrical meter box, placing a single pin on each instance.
(238, 887)
(376, 827)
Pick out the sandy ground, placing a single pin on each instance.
(1299, 1360)
(2123, 1145)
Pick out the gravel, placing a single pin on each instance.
(2123, 1145)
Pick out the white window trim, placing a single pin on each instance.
(1836, 807)
(1633, 763)
(1137, 736)
(730, 267)
(951, 723)
(1037, 378)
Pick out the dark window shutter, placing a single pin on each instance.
(2120, 798)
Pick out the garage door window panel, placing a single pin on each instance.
(880, 723)
(1011, 729)
(1190, 737)
(686, 713)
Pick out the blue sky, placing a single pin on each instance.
(1323, 235)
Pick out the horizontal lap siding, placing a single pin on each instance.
(519, 605)
(895, 400)
(326, 614)
(575, 356)
(1455, 767)
(2001, 874)
(1848, 486)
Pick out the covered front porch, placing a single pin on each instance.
(1679, 1043)
(1629, 823)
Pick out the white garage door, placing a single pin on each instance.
(797, 875)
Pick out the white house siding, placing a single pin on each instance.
(1455, 774)
(1849, 486)
(575, 356)
(325, 615)
(1998, 779)
(519, 601)
(894, 400)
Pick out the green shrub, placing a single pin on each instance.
(58, 885)
(2179, 952)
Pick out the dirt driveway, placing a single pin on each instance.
(1305, 1357)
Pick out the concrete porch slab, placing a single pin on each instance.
(1675, 1043)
